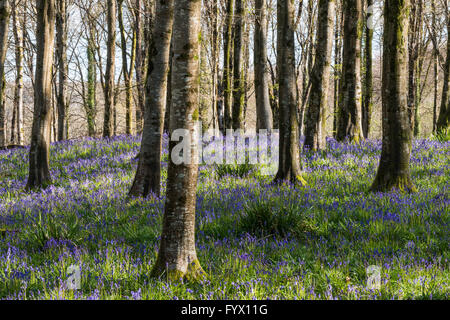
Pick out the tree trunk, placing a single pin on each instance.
(177, 257)
(127, 73)
(393, 171)
(110, 64)
(435, 64)
(139, 67)
(61, 53)
(320, 76)
(289, 167)
(444, 113)
(337, 65)
(349, 119)
(18, 89)
(368, 77)
(228, 65)
(39, 172)
(5, 12)
(148, 174)
(264, 119)
(238, 72)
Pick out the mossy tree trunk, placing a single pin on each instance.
(289, 169)
(264, 118)
(91, 103)
(349, 114)
(39, 172)
(320, 77)
(393, 171)
(148, 174)
(177, 257)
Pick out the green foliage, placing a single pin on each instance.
(442, 136)
(49, 226)
(266, 218)
(235, 170)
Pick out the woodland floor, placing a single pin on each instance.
(254, 239)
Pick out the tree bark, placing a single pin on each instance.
(39, 172)
(5, 12)
(289, 167)
(228, 65)
(238, 71)
(61, 53)
(18, 89)
(320, 76)
(393, 171)
(110, 65)
(349, 119)
(148, 174)
(177, 257)
(127, 73)
(368, 77)
(264, 118)
(444, 113)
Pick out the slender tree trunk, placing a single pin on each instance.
(139, 67)
(215, 50)
(91, 104)
(127, 73)
(177, 257)
(337, 64)
(228, 65)
(435, 64)
(110, 65)
(61, 54)
(393, 171)
(444, 113)
(289, 167)
(416, 21)
(5, 12)
(349, 119)
(264, 119)
(238, 72)
(39, 172)
(18, 89)
(368, 77)
(320, 75)
(148, 174)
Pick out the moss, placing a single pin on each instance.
(194, 273)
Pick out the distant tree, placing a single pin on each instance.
(444, 113)
(238, 66)
(320, 77)
(39, 171)
(228, 65)
(127, 72)
(393, 171)
(108, 120)
(177, 257)
(61, 53)
(264, 118)
(289, 167)
(148, 173)
(5, 11)
(349, 114)
(367, 101)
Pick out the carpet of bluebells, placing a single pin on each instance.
(255, 240)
